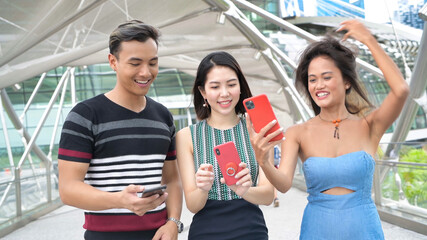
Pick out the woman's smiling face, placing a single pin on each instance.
(222, 90)
(325, 83)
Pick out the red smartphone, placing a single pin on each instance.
(228, 160)
(261, 113)
(155, 190)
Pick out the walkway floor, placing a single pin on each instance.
(284, 222)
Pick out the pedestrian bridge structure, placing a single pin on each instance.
(54, 54)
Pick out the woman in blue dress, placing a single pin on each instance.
(336, 146)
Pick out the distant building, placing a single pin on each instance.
(341, 8)
(408, 13)
(403, 11)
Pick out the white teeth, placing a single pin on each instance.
(225, 103)
(142, 82)
(322, 94)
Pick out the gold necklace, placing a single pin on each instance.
(337, 124)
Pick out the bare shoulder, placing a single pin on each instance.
(294, 131)
(301, 127)
(183, 139)
(185, 132)
(303, 130)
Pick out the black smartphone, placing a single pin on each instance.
(154, 190)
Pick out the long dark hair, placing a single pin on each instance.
(345, 61)
(210, 61)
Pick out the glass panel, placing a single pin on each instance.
(8, 208)
(33, 186)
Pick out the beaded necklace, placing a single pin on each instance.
(337, 124)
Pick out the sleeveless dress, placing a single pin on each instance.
(225, 216)
(349, 216)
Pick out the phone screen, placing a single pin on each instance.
(155, 190)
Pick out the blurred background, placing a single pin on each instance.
(53, 54)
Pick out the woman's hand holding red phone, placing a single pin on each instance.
(205, 177)
(262, 144)
(244, 182)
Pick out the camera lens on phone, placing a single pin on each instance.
(250, 105)
(217, 152)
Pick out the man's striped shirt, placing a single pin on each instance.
(122, 147)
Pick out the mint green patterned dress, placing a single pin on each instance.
(225, 215)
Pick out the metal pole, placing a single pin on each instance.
(18, 125)
(49, 156)
(18, 192)
(58, 115)
(189, 119)
(6, 136)
(49, 181)
(33, 94)
(417, 88)
(43, 118)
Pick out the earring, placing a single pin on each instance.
(205, 104)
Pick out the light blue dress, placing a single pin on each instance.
(350, 216)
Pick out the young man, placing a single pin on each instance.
(116, 144)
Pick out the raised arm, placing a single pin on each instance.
(381, 118)
(280, 178)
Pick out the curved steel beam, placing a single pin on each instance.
(417, 87)
(24, 71)
(22, 45)
(297, 31)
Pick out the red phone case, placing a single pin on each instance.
(228, 159)
(261, 113)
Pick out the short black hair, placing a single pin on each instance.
(210, 61)
(131, 30)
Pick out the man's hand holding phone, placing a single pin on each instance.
(129, 198)
(154, 190)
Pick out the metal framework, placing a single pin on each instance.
(227, 17)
